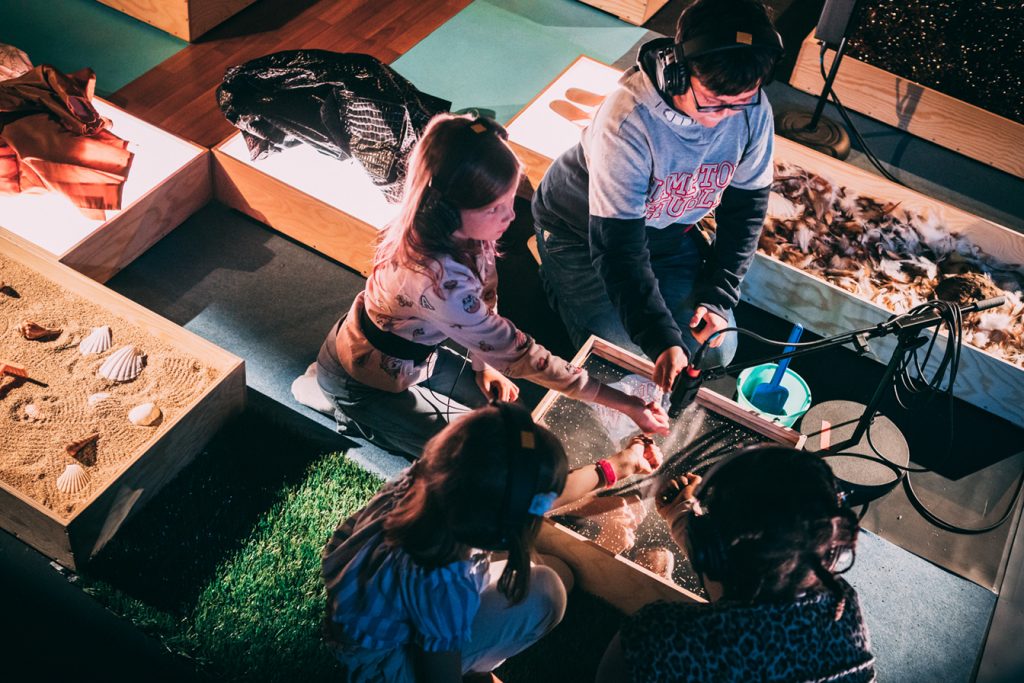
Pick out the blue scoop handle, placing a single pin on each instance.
(794, 337)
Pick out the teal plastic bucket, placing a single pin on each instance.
(799, 393)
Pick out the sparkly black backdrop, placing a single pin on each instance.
(970, 49)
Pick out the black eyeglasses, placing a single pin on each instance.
(709, 108)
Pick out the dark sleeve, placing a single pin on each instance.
(740, 217)
(618, 248)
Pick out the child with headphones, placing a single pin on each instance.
(688, 131)
(412, 594)
(434, 279)
(768, 534)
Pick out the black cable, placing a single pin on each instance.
(849, 123)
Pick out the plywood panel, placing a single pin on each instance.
(312, 222)
(633, 11)
(909, 106)
(186, 19)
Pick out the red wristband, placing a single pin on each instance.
(606, 472)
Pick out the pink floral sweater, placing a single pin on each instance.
(406, 303)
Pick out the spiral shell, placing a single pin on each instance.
(144, 415)
(73, 479)
(98, 341)
(124, 365)
(81, 449)
(36, 332)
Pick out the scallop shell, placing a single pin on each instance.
(98, 341)
(36, 332)
(144, 415)
(73, 479)
(124, 365)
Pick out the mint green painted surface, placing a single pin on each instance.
(498, 54)
(71, 34)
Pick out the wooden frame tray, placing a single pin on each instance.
(634, 11)
(540, 134)
(919, 110)
(590, 535)
(169, 180)
(186, 19)
(172, 444)
(326, 204)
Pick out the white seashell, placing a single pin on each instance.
(73, 479)
(144, 415)
(94, 399)
(32, 411)
(98, 341)
(124, 365)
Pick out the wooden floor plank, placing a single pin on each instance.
(179, 94)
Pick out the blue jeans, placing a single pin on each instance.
(576, 291)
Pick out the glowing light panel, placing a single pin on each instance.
(343, 185)
(49, 219)
(553, 122)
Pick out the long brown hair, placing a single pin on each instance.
(457, 498)
(462, 162)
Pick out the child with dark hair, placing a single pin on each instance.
(411, 593)
(768, 534)
(688, 132)
(434, 279)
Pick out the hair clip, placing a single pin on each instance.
(541, 503)
(527, 440)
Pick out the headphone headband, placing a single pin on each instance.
(731, 39)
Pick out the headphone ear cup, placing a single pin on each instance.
(439, 211)
(448, 216)
(707, 555)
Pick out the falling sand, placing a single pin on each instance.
(37, 422)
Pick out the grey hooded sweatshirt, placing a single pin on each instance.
(643, 163)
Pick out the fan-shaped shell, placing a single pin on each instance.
(98, 341)
(124, 365)
(73, 479)
(144, 415)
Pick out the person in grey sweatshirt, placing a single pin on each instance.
(687, 132)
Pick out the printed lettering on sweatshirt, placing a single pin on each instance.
(678, 193)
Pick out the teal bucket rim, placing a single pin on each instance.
(786, 418)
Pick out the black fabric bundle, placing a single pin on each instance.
(346, 105)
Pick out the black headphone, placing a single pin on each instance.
(708, 551)
(435, 205)
(673, 70)
(521, 480)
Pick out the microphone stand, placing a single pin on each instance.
(907, 328)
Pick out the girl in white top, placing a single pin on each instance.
(434, 279)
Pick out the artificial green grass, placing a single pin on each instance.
(223, 566)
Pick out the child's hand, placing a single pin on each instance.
(641, 456)
(493, 383)
(649, 417)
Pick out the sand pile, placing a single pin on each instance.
(37, 422)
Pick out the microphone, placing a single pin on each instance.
(684, 392)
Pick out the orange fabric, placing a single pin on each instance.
(58, 140)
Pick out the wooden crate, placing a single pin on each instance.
(186, 19)
(634, 11)
(926, 113)
(169, 180)
(174, 443)
(326, 204)
(598, 568)
(984, 380)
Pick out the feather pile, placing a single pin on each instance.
(891, 256)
